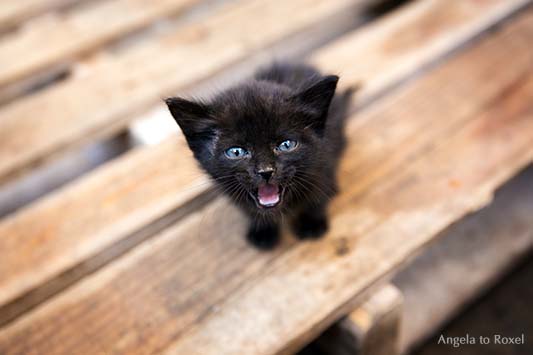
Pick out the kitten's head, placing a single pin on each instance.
(259, 141)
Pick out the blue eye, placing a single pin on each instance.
(287, 146)
(236, 153)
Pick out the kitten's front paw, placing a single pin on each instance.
(310, 227)
(264, 238)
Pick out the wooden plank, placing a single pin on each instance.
(58, 38)
(113, 90)
(130, 198)
(13, 13)
(196, 282)
(409, 41)
(469, 258)
(119, 199)
(373, 328)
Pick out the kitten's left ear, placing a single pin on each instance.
(317, 99)
(195, 121)
(192, 117)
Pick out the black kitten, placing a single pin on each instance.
(272, 144)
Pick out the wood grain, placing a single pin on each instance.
(197, 288)
(58, 38)
(120, 206)
(408, 40)
(13, 13)
(81, 109)
(142, 186)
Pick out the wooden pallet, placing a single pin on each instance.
(139, 255)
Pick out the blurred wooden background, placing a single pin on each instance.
(113, 241)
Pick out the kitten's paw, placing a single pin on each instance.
(264, 238)
(310, 227)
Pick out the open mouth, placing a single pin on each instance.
(268, 195)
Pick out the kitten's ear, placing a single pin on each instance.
(195, 121)
(317, 99)
(192, 117)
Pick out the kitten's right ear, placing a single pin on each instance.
(318, 99)
(193, 118)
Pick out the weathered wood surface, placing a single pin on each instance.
(101, 101)
(58, 38)
(409, 39)
(12, 13)
(466, 261)
(373, 328)
(112, 92)
(185, 290)
(129, 197)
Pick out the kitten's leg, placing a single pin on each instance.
(311, 222)
(264, 235)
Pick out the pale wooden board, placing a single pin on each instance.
(199, 284)
(13, 13)
(58, 38)
(144, 185)
(85, 108)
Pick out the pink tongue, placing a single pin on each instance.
(268, 194)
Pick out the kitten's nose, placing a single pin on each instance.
(266, 173)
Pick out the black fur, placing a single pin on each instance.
(284, 101)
